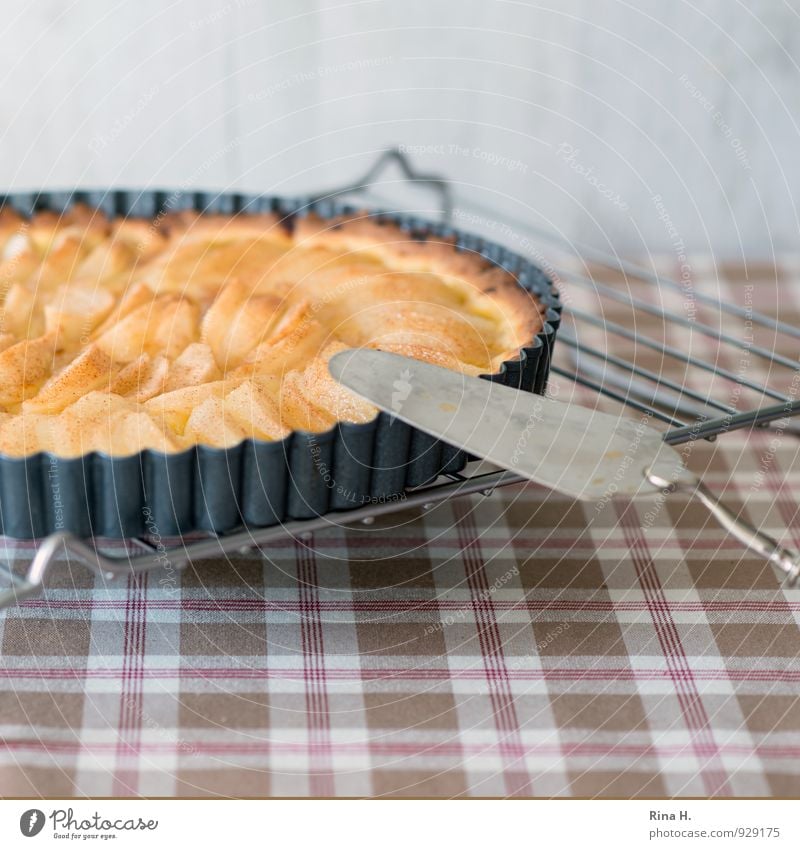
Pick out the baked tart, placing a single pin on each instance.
(125, 336)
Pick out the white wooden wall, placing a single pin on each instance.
(576, 113)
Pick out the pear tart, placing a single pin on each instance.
(119, 335)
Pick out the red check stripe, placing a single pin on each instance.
(694, 713)
(517, 779)
(131, 695)
(317, 708)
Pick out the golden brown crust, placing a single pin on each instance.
(127, 334)
(437, 254)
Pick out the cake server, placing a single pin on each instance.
(582, 453)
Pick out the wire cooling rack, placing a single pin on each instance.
(738, 341)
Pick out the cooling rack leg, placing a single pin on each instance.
(33, 582)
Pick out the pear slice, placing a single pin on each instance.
(20, 316)
(166, 326)
(256, 410)
(172, 409)
(195, 365)
(23, 368)
(73, 313)
(92, 369)
(321, 389)
(142, 379)
(211, 424)
(297, 410)
(134, 432)
(237, 321)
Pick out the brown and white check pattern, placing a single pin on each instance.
(520, 644)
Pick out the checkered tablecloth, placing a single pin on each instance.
(520, 644)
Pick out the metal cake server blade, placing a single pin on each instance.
(583, 453)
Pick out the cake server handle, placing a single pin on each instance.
(782, 558)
